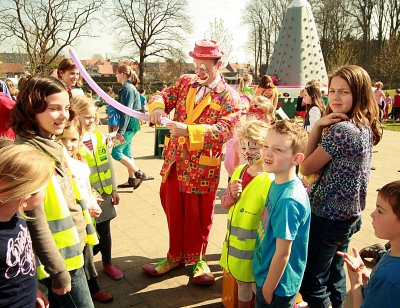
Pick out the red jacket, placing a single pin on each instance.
(396, 100)
(6, 104)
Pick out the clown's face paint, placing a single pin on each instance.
(206, 70)
(251, 151)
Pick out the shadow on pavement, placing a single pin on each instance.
(138, 289)
(147, 157)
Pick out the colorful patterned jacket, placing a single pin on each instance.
(210, 123)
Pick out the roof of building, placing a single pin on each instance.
(224, 70)
(96, 62)
(238, 66)
(11, 68)
(106, 69)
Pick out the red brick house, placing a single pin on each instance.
(11, 70)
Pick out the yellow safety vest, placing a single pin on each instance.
(62, 227)
(243, 220)
(97, 160)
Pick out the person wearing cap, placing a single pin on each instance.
(206, 110)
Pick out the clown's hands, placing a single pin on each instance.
(178, 129)
(156, 115)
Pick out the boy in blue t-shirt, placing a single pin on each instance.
(381, 287)
(143, 100)
(113, 118)
(281, 247)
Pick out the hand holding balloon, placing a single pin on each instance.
(109, 100)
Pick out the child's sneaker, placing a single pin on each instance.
(113, 272)
(102, 297)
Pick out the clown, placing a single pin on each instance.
(206, 110)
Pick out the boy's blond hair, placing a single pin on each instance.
(263, 104)
(254, 130)
(296, 133)
(391, 193)
(261, 101)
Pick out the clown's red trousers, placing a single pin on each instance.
(189, 218)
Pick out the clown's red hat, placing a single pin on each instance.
(206, 49)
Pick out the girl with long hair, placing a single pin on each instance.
(22, 184)
(59, 228)
(128, 126)
(315, 106)
(339, 150)
(267, 88)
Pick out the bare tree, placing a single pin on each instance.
(255, 17)
(151, 28)
(333, 25)
(43, 28)
(217, 31)
(97, 56)
(387, 63)
(172, 70)
(362, 11)
(254, 44)
(277, 10)
(393, 14)
(264, 19)
(344, 54)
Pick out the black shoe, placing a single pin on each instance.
(138, 182)
(141, 175)
(146, 177)
(130, 183)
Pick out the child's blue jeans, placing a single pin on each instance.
(324, 281)
(79, 296)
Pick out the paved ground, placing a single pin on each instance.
(140, 234)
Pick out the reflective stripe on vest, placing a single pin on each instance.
(69, 251)
(243, 221)
(241, 254)
(61, 224)
(106, 183)
(101, 168)
(97, 160)
(62, 227)
(241, 233)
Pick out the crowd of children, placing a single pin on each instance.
(301, 245)
(280, 240)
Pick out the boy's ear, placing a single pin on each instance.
(298, 158)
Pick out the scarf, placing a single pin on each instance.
(51, 147)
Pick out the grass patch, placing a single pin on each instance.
(391, 125)
(391, 92)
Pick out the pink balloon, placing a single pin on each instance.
(109, 100)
